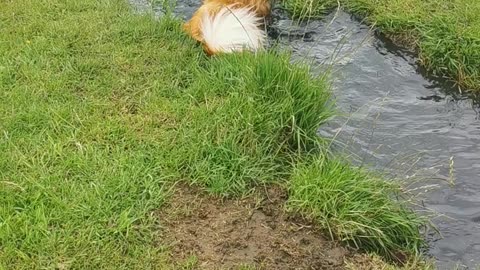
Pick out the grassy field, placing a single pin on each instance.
(446, 33)
(103, 110)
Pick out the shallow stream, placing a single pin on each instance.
(395, 119)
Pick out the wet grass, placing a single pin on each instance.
(103, 110)
(445, 33)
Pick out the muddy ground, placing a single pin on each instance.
(250, 233)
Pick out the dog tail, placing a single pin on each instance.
(232, 29)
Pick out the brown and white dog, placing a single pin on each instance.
(224, 26)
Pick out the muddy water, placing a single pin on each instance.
(395, 119)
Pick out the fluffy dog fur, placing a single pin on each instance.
(224, 26)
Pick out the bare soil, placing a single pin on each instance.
(250, 233)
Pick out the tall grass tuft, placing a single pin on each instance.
(355, 206)
(249, 114)
(308, 9)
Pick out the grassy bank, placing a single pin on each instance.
(354, 206)
(102, 111)
(445, 33)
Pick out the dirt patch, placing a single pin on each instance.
(253, 233)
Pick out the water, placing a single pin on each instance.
(394, 119)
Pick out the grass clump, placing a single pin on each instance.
(308, 9)
(355, 206)
(249, 114)
(445, 33)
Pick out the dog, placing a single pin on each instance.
(226, 26)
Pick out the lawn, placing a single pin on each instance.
(445, 33)
(103, 110)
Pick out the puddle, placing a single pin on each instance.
(394, 119)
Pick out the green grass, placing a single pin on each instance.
(308, 9)
(249, 116)
(103, 110)
(355, 206)
(83, 125)
(446, 33)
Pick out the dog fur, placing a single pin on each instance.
(225, 26)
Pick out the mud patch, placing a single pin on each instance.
(253, 232)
